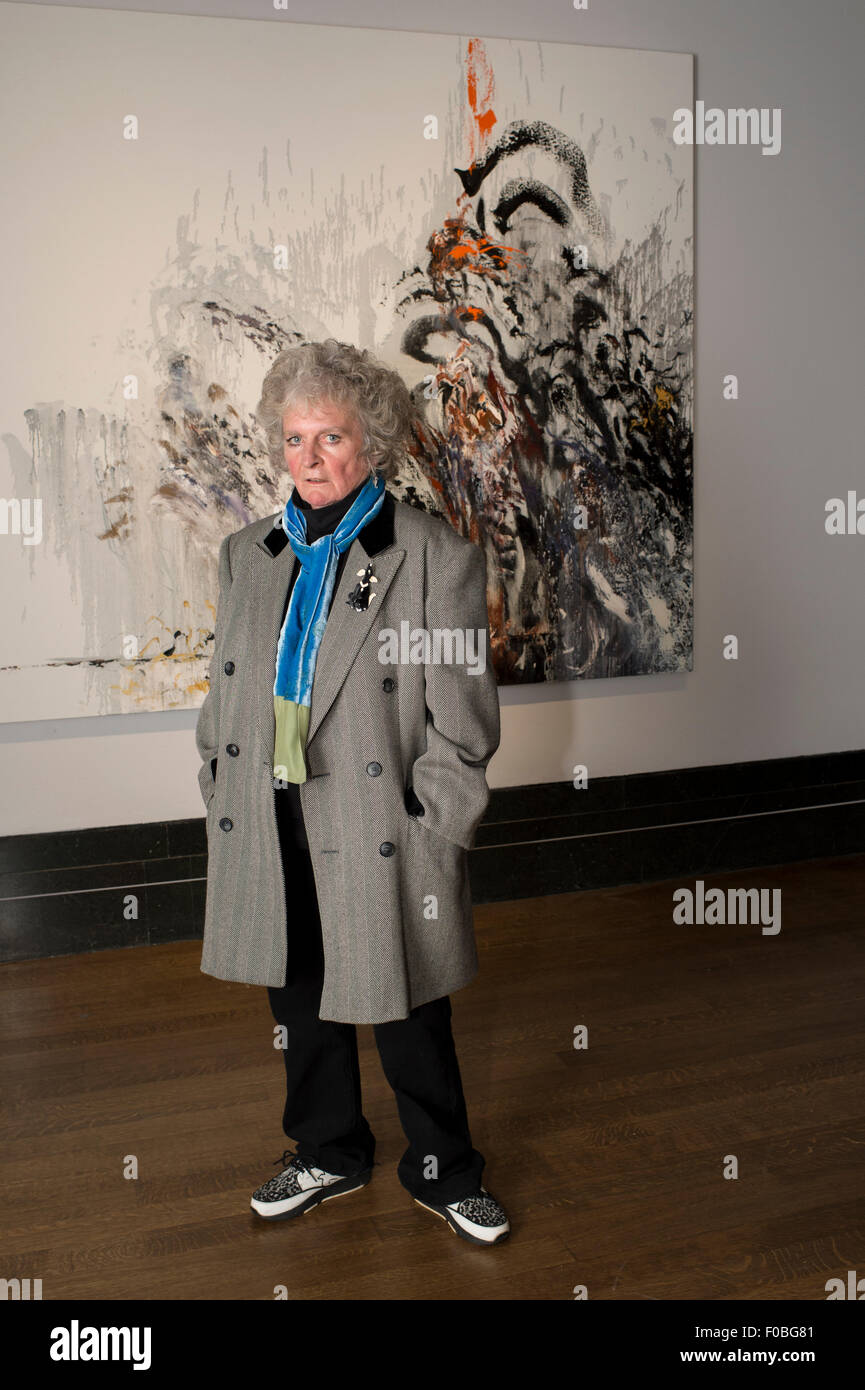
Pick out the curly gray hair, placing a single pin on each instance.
(333, 371)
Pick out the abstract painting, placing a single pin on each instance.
(508, 224)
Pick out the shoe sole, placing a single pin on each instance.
(457, 1229)
(316, 1197)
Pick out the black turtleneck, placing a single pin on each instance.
(320, 521)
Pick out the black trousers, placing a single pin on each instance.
(323, 1112)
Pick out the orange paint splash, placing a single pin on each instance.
(479, 90)
(456, 249)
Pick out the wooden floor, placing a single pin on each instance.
(703, 1042)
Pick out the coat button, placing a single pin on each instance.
(225, 823)
(232, 750)
(228, 668)
(388, 684)
(387, 848)
(374, 769)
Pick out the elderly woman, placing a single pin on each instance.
(344, 739)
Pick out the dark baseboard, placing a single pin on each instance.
(136, 885)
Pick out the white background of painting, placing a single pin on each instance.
(102, 222)
(767, 310)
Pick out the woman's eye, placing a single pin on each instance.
(331, 435)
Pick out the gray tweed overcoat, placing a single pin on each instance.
(392, 886)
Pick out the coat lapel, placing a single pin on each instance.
(346, 629)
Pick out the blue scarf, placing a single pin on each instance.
(303, 628)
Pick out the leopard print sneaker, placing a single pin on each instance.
(300, 1187)
(478, 1218)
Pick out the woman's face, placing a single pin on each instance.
(321, 445)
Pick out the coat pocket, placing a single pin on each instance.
(436, 869)
(414, 807)
(434, 834)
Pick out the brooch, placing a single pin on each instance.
(362, 593)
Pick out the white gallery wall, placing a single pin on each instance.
(779, 301)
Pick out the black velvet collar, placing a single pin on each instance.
(377, 535)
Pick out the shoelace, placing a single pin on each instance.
(288, 1155)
